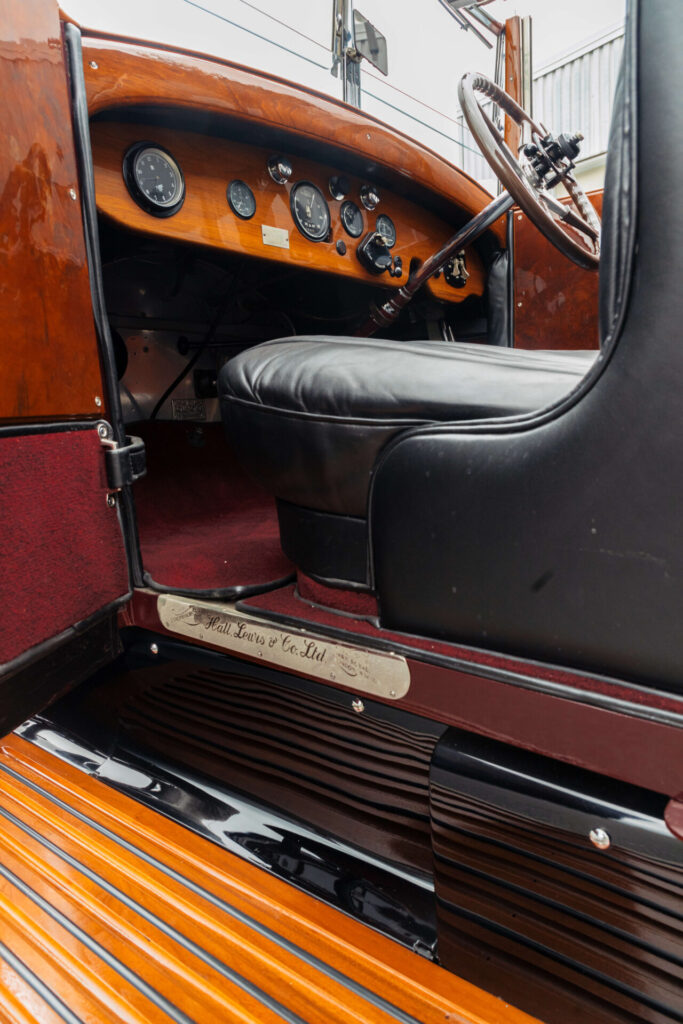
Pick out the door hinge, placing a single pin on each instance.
(125, 463)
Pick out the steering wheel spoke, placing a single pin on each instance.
(543, 162)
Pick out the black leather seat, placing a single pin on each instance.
(309, 415)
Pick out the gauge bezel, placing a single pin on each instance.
(345, 204)
(242, 216)
(365, 199)
(385, 216)
(143, 201)
(302, 230)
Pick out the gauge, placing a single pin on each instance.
(241, 199)
(369, 197)
(352, 219)
(339, 187)
(154, 179)
(280, 169)
(385, 227)
(310, 211)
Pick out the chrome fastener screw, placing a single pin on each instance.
(600, 838)
(357, 705)
(94, 65)
(98, 401)
(102, 430)
(73, 193)
(154, 648)
(111, 500)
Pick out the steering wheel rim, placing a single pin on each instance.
(573, 228)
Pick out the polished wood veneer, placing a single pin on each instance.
(555, 302)
(133, 75)
(50, 362)
(209, 164)
(117, 914)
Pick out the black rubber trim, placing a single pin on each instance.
(63, 427)
(38, 986)
(158, 922)
(73, 929)
(81, 127)
(224, 593)
(238, 915)
(510, 242)
(554, 689)
(26, 658)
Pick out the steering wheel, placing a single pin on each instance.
(542, 163)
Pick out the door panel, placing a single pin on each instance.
(63, 564)
(50, 362)
(556, 302)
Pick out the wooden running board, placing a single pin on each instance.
(111, 912)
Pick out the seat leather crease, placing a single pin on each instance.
(310, 415)
(559, 536)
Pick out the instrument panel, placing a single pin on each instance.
(247, 199)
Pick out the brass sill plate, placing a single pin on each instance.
(374, 673)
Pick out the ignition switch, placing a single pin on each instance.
(455, 272)
(373, 253)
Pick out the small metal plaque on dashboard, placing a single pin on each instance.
(275, 236)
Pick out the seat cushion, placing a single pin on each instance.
(309, 415)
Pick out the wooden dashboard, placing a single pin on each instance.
(210, 163)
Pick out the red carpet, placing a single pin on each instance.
(203, 524)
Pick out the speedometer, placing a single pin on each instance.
(310, 211)
(154, 179)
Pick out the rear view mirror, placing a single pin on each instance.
(370, 43)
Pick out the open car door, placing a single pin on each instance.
(63, 564)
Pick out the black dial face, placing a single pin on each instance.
(154, 179)
(310, 211)
(385, 227)
(241, 199)
(352, 219)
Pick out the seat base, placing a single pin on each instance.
(332, 548)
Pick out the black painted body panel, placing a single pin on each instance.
(530, 909)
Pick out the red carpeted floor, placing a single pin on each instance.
(203, 524)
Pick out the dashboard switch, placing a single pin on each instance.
(373, 253)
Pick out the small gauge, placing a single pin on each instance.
(369, 197)
(310, 211)
(280, 169)
(339, 187)
(241, 199)
(154, 179)
(385, 227)
(352, 219)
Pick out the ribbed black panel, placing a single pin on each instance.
(531, 910)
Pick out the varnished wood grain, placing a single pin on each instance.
(513, 78)
(221, 883)
(556, 302)
(209, 164)
(50, 362)
(133, 75)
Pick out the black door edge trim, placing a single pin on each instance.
(46, 647)
(17, 429)
(81, 126)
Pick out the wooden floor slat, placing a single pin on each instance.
(126, 916)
